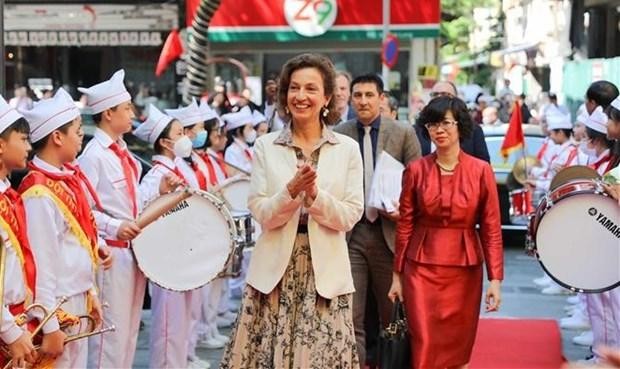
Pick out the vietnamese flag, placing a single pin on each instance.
(172, 50)
(514, 139)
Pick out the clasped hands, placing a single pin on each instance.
(304, 181)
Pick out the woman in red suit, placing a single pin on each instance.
(439, 252)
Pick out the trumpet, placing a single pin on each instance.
(66, 321)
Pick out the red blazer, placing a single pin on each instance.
(426, 236)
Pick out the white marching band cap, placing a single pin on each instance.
(559, 121)
(153, 126)
(258, 117)
(48, 115)
(583, 117)
(597, 120)
(616, 103)
(107, 94)
(188, 116)
(8, 115)
(208, 113)
(239, 119)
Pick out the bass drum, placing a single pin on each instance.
(188, 245)
(575, 234)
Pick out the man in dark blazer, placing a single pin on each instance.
(474, 145)
(343, 96)
(371, 242)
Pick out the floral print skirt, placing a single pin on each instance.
(293, 327)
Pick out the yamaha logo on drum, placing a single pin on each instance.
(605, 222)
(180, 206)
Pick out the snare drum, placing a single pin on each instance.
(520, 202)
(189, 245)
(575, 234)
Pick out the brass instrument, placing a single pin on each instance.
(522, 166)
(66, 321)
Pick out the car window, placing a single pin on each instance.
(494, 144)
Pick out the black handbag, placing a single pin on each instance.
(394, 349)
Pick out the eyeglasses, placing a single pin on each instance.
(440, 93)
(444, 124)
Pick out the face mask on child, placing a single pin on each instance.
(200, 139)
(183, 147)
(250, 137)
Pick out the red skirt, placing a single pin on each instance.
(442, 305)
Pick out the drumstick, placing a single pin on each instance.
(158, 209)
(230, 165)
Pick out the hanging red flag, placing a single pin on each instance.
(514, 139)
(172, 50)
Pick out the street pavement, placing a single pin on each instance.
(521, 299)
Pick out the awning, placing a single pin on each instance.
(88, 25)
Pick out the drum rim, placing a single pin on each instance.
(232, 231)
(572, 288)
(544, 209)
(219, 192)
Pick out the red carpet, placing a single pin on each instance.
(517, 344)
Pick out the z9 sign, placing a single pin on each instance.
(310, 18)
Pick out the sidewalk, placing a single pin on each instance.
(521, 300)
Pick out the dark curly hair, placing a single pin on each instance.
(436, 111)
(328, 72)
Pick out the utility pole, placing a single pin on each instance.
(386, 30)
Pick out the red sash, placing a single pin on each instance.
(13, 214)
(599, 163)
(176, 170)
(571, 156)
(76, 202)
(248, 154)
(222, 163)
(200, 177)
(130, 170)
(212, 176)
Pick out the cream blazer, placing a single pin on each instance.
(337, 208)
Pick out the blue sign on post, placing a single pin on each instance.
(389, 52)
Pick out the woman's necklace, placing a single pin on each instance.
(444, 168)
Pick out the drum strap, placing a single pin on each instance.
(542, 150)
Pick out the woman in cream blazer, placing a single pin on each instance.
(306, 193)
(337, 208)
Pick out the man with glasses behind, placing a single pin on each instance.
(371, 242)
(474, 145)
